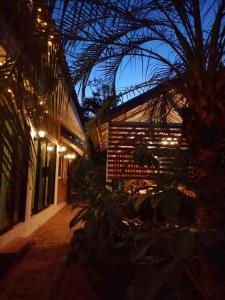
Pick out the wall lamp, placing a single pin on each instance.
(37, 134)
(70, 156)
(62, 148)
(41, 133)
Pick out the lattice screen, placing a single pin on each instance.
(124, 136)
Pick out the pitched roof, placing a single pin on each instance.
(134, 102)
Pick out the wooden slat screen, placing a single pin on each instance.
(124, 136)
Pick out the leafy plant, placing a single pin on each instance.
(142, 156)
(103, 229)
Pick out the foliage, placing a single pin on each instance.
(107, 232)
(112, 221)
(88, 178)
(103, 229)
(181, 46)
(92, 105)
(112, 31)
(142, 156)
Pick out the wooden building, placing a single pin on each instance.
(131, 124)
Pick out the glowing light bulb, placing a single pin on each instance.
(41, 133)
(70, 156)
(62, 149)
(50, 148)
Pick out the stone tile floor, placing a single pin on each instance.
(43, 273)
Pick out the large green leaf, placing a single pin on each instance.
(78, 217)
(114, 214)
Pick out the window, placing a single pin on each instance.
(44, 188)
(13, 180)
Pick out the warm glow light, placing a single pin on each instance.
(50, 148)
(41, 133)
(33, 132)
(169, 141)
(49, 43)
(70, 156)
(62, 149)
(39, 9)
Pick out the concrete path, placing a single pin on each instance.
(42, 274)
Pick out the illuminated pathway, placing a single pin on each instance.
(42, 273)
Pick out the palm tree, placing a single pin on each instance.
(180, 45)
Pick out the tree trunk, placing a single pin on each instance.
(209, 177)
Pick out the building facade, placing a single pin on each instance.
(36, 155)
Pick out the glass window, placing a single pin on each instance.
(13, 180)
(43, 191)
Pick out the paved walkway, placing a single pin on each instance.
(42, 274)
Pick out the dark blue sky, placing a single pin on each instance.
(135, 71)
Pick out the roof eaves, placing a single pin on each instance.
(132, 103)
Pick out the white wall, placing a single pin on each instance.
(33, 222)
